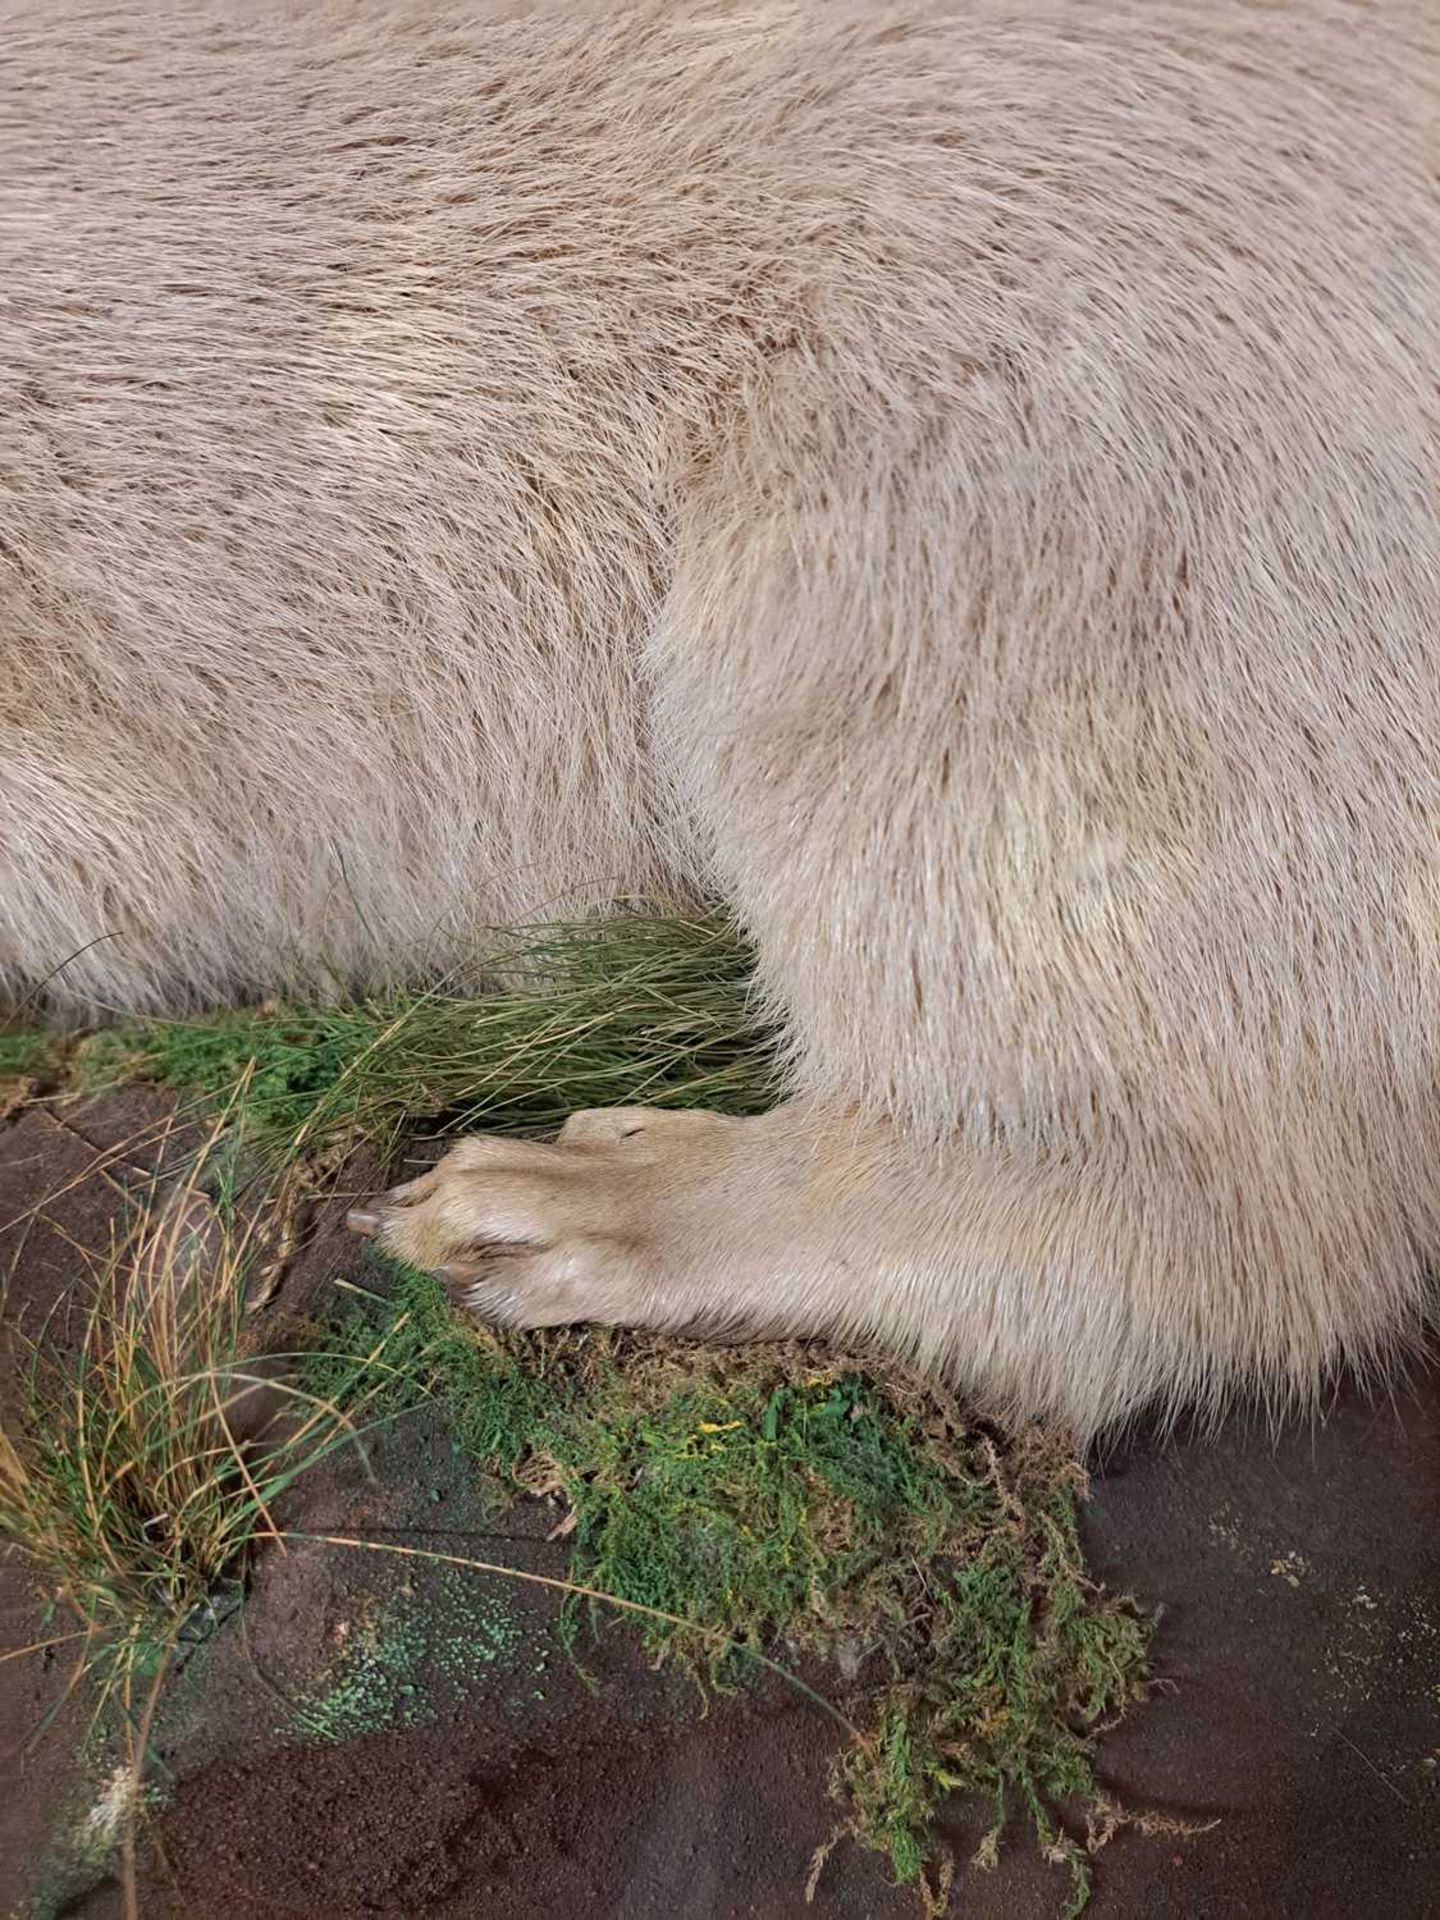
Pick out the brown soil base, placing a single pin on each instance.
(490, 1778)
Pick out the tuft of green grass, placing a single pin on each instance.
(758, 1498)
(635, 1009)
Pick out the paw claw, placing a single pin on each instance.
(365, 1219)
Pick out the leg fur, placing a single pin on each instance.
(1042, 1289)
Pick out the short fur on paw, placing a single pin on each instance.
(537, 1235)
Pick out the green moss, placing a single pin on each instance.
(755, 1499)
(24, 1054)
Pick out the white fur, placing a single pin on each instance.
(957, 481)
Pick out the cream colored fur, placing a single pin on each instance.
(956, 481)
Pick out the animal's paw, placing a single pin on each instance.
(543, 1235)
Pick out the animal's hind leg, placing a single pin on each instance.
(866, 1207)
(1031, 1285)
(885, 713)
